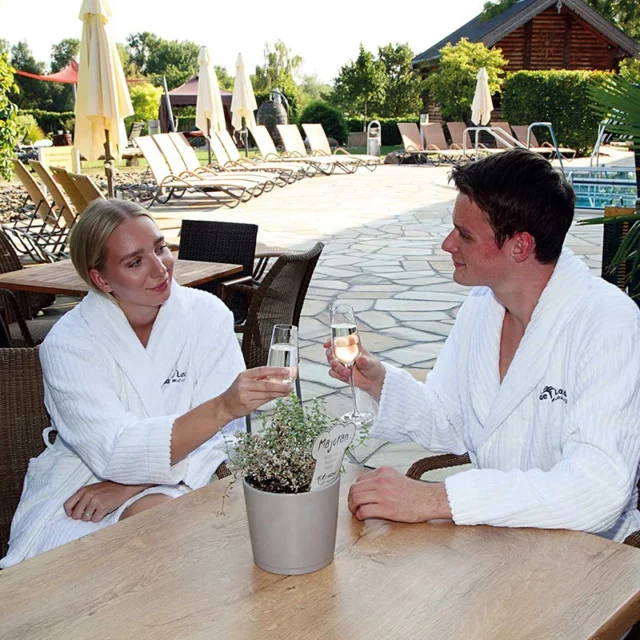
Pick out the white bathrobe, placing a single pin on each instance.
(113, 404)
(557, 443)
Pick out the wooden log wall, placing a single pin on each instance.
(555, 40)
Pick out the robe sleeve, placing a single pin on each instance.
(218, 364)
(428, 414)
(592, 483)
(115, 444)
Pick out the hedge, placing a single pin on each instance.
(52, 121)
(559, 97)
(390, 133)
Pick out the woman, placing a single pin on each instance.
(143, 381)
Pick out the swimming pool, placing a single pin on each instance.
(597, 187)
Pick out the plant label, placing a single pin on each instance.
(328, 451)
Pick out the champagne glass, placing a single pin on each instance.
(284, 351)
(345, 341)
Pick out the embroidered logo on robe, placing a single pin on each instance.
(176, 376)
(553, 394)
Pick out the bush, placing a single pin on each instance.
(52, 121)
(331, 119)
(9, 127)
(145, 99)
(560, 97)
(29, 128)
(390, 133)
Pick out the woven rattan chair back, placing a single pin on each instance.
(230, 242)
(22, 419)
(9, 261)
(278, 300)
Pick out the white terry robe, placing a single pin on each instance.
(557, 443)
(113, 404)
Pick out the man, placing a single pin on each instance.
(539, 379)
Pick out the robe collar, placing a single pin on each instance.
(560, 302)
(146, 369)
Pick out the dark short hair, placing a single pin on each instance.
(518, 190)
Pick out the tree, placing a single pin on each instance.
(224, 79)
(625, 14)
(32, 94)
(10, 129)
(311, 89)
(402, 96)
(630, 71)
(452, 86)
(177, 61)
(62, 96)
(63, 52)
(280, 66)
(331, 119)
(139, 46)
(360, 85)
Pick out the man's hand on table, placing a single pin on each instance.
(386, 493)
(95, 501)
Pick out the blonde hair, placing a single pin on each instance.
(90, 233)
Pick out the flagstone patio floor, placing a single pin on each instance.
(382, 233)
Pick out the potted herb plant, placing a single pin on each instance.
(292, 514)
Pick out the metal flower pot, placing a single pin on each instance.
(292, 534)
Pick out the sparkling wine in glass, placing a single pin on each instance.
(345, 341)
(284, 351)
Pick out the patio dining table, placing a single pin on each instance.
(61, 277)
(185, 570)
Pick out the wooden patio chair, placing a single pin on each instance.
(169, 185)
(230, 242)
(320, 146)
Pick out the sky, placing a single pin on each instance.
(326, 34)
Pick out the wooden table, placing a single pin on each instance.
(61, 277)
(185, 570)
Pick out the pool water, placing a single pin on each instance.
(597, 187)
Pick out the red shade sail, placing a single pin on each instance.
(68, 75)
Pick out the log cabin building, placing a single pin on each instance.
(539, 35)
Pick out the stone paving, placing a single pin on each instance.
(382, 233)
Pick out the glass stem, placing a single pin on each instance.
(356, 413)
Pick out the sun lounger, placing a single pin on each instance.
(461, 138)
(62, 178)
(62, 202)
(234, 160)
(269, 152)
(39, 233)
(412, 143)
(435, 142)
(319, 144)
(177, 165)
(545, 148)
(294, 145)
(86, 186)
(170, 185)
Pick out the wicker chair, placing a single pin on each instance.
(23, 417)
(230, 242)
(29, 304)
(612, 236)
(278, 300)
(420, 467)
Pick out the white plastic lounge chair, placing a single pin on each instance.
(319, 144)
